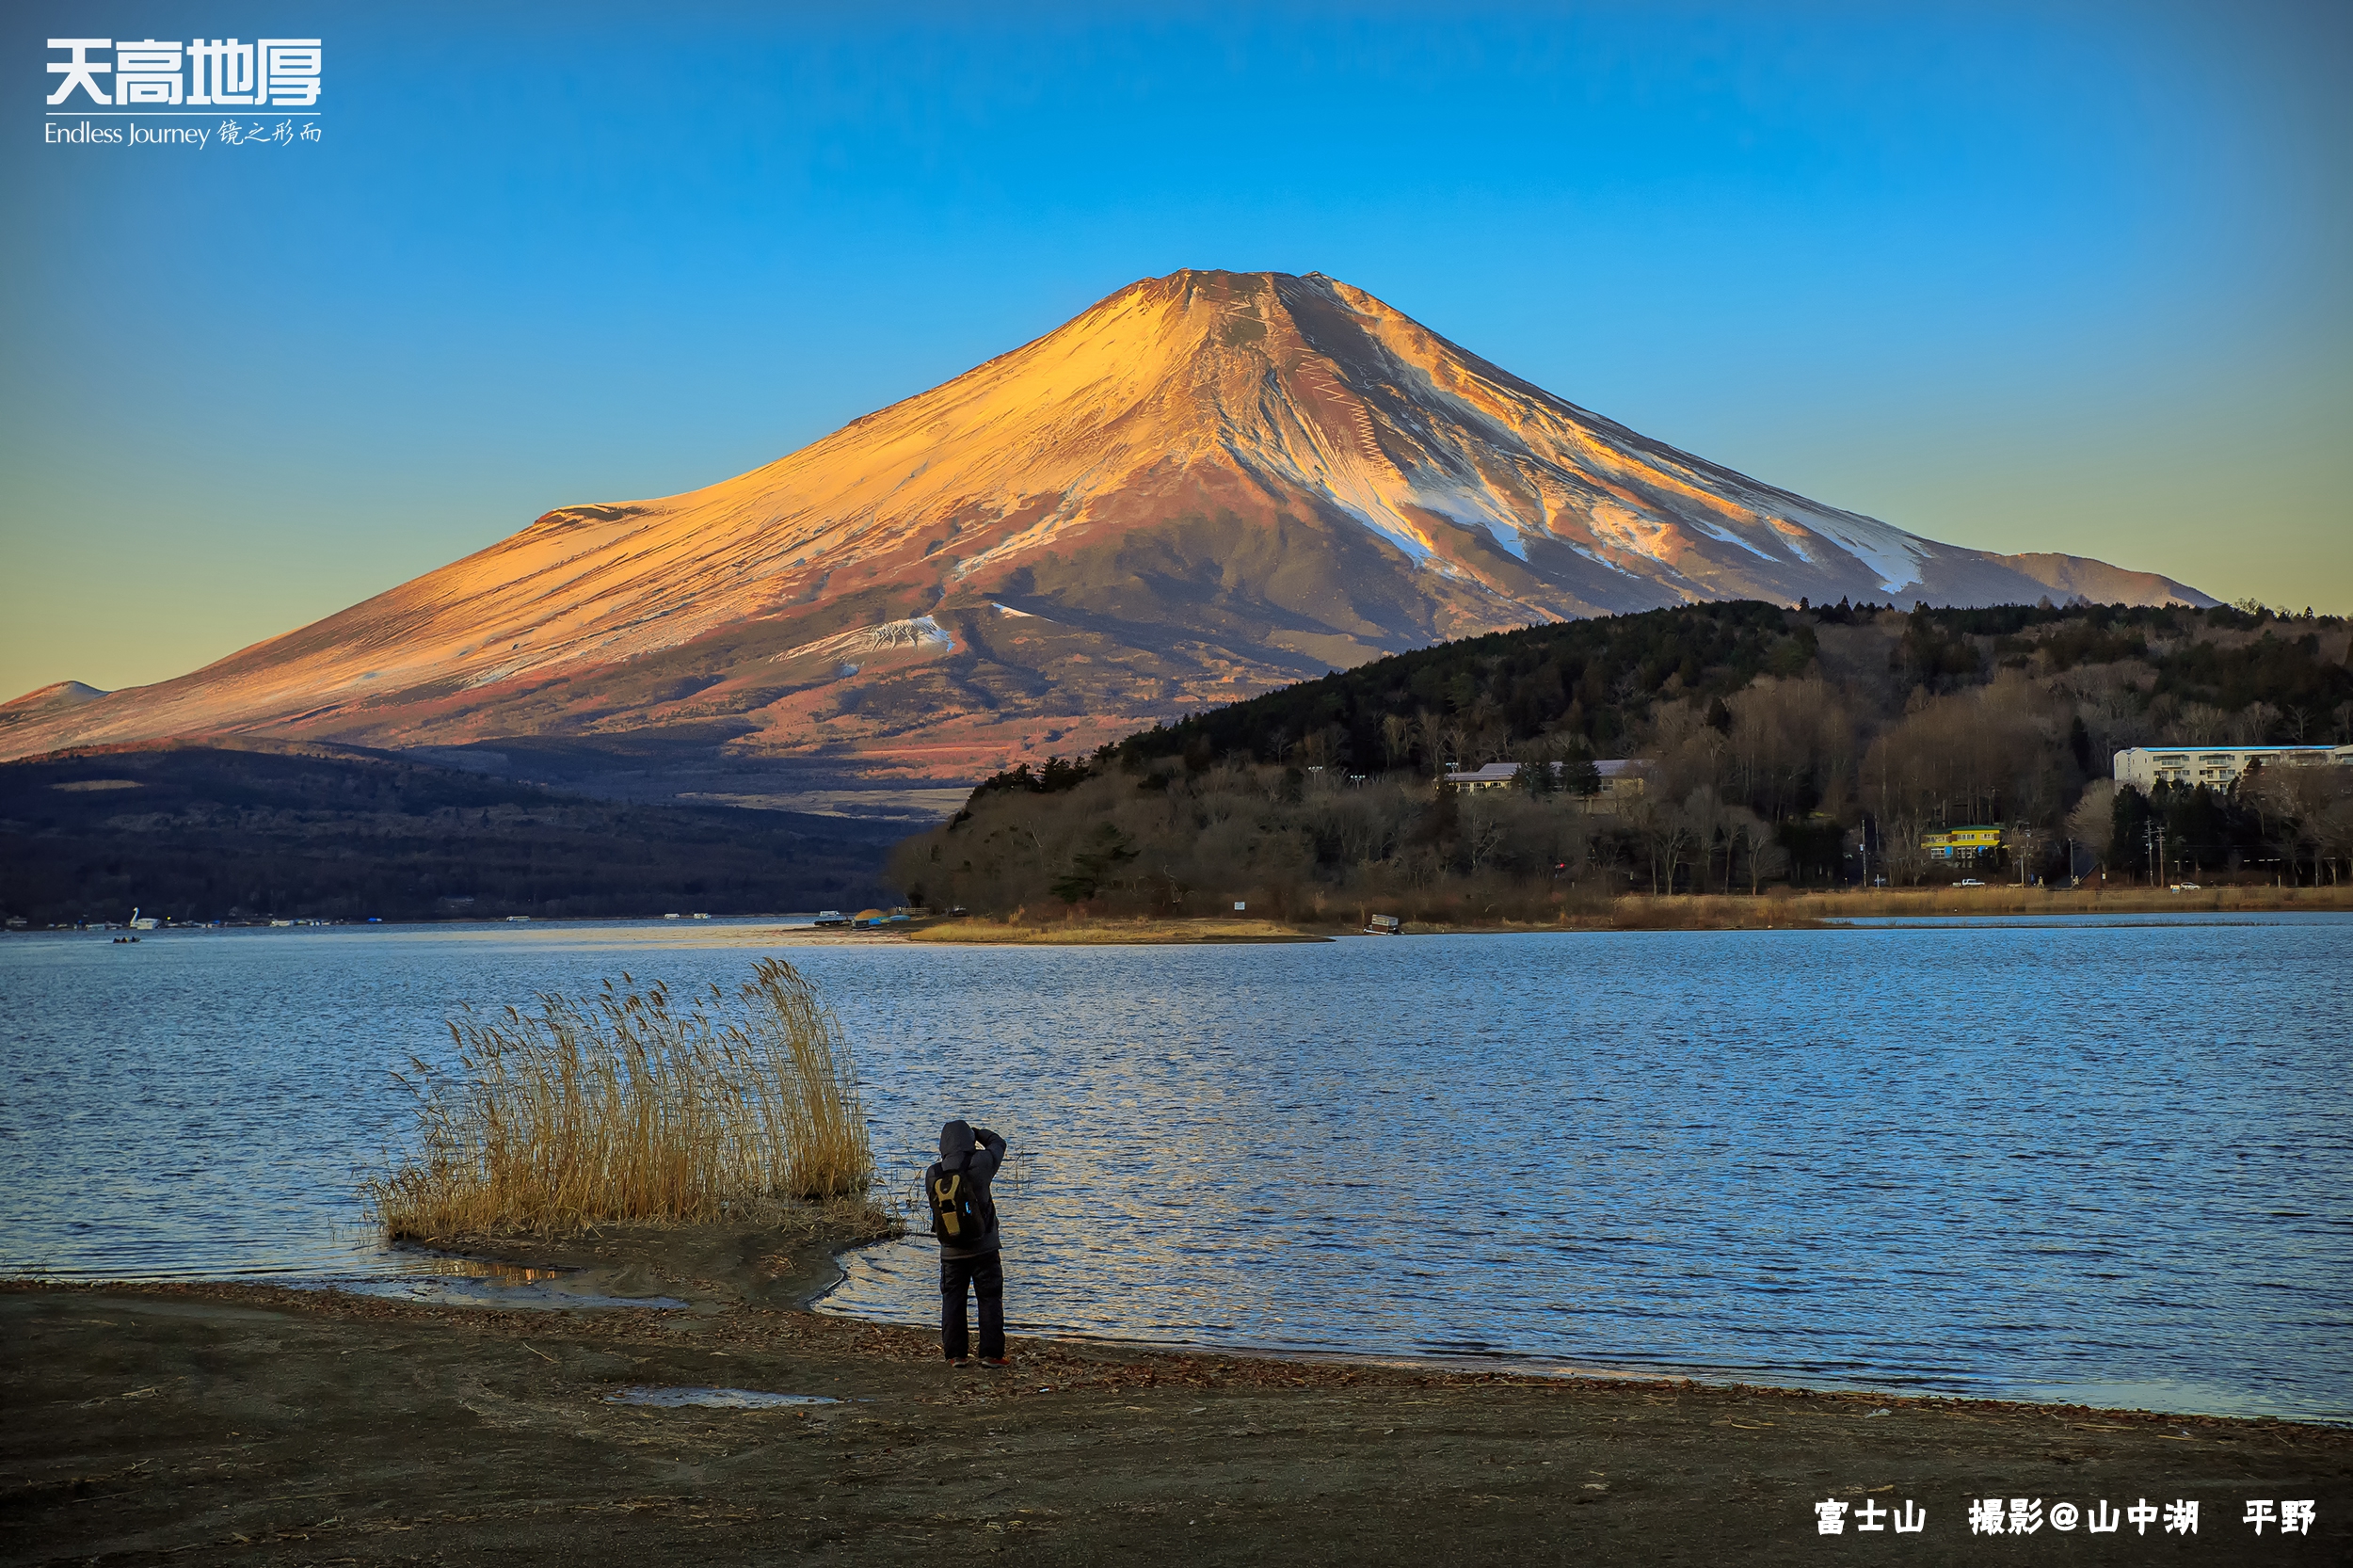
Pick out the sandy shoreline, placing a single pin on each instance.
(1923, 909)
(257, 1423)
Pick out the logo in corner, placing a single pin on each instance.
(180, 87)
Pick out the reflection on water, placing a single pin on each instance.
(713, 1399)
(1986, 1159)
(443, 1279)
(421, 1262)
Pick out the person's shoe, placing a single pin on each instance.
(957, 1364)
(996, 1362)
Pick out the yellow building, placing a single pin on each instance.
(1962, 843)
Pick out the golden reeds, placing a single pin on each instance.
(621, 1107)
(817, 1124)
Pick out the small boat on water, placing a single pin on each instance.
(832, 916)
(142, 922)
(1385, 925)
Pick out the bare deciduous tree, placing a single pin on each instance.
(2252, 725)
(1760, 853)
(1482, 830)
(2092, 822)
(2199, 724)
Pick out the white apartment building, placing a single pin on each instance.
(1495, 776)
(1620, 775)
(2218, 767)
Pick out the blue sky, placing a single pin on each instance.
(2017, 277)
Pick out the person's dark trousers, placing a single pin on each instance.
(984, 1276)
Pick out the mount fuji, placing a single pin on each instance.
(1205, 486)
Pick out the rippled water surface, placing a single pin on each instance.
(2097, 1160)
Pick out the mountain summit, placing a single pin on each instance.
(1206, 485)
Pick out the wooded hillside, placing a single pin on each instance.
(1783, 746)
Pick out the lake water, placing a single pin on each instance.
(2108, 1161)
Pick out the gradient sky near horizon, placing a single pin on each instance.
(2017, 277)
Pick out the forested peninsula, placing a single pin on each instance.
(1814, 746)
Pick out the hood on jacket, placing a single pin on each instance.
(956, 1143)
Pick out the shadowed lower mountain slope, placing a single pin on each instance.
(1207, 485)
(240, 829)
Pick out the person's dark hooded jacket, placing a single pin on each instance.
(977, 1153)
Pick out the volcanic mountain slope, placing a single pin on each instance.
(1207, 485)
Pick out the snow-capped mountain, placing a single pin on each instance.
(1206, 485)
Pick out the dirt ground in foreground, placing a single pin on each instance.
(195, 1424)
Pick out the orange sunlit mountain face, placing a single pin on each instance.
(1207, 485)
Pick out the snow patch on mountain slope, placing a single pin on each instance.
(1360, 497)
(1716, 531)
(921, 633)
(1471, 508)
(1893, 554)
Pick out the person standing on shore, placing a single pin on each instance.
(964, 1218)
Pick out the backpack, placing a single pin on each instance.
(961, 1212)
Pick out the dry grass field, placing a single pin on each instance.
(1926, 902)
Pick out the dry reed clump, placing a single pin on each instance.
(1790, 906)
(2115, 899)
(1704, 912)
(623, 1107)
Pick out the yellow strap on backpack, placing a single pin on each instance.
(944, 1203)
